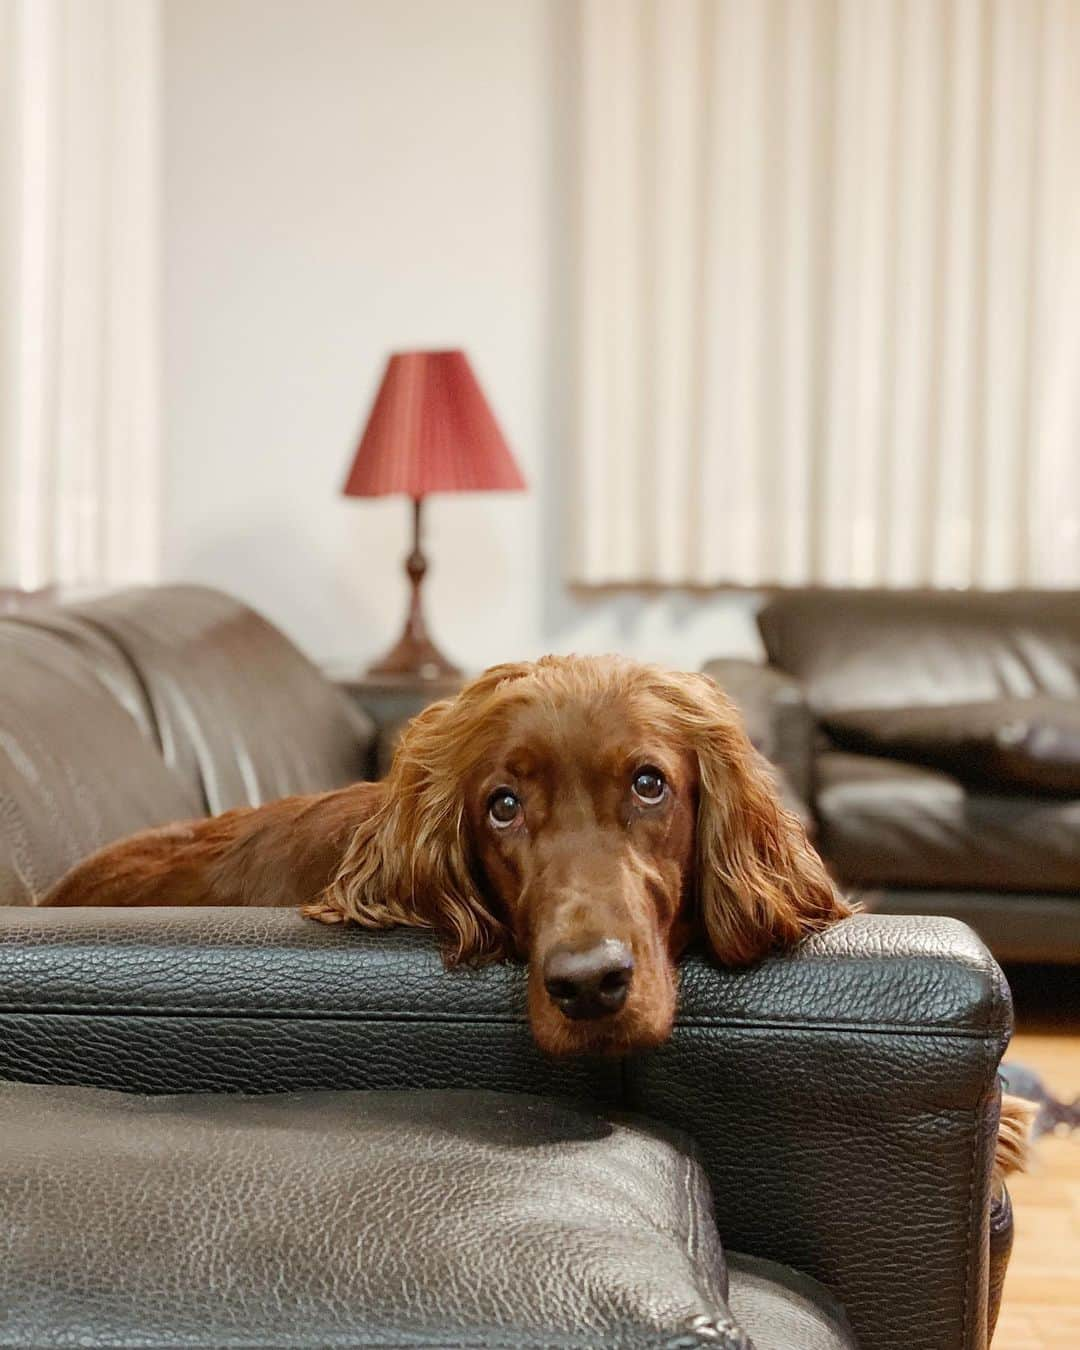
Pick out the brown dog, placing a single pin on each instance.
(588, 815)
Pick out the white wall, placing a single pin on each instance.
(343, 178)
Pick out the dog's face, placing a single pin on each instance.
(590, 816)
(583, 826)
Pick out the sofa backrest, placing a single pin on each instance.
(150, 706)
(240, 714)
(886, 649)
(76, 769)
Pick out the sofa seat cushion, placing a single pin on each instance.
(887, 823)
(351, 1218)
(777, 1306)
(1026, 745)
(346, 1218)
(76, 769)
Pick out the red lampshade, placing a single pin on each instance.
(431, 430)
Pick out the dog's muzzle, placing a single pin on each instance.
(591, 982)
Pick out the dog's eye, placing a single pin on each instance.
(504, 808)
(649, 785)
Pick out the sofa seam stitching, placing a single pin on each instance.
(970, 1247)
(400, 1015)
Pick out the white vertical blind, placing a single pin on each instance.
(830, 292)
(78, 284)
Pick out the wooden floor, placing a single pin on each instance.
(1041, 1305)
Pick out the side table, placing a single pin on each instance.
(390, 701)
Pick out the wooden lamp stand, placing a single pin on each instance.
(414, 656)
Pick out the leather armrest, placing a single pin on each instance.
(871, 973)
(777, 717)
(843, 1096)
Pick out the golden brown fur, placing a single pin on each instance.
(277, 854)
(573, 728)
(722, 858)
(1013, 1150)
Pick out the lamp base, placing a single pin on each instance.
(414, 656)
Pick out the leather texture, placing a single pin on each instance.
(152, 706)
(892, 649)
(76, 768)
(934, 836)
(886, 823)
(1001, 1242)
(1008, 745)
(1036, 927)
(240, 714)
(843, 1097)
(360, 1218)
(86, 646)
(777, 1306)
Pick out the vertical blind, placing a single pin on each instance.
(78, 291)
(830, 292)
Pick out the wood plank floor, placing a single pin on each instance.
(1041, 1304)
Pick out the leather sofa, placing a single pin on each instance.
(842, 1100)
(934, 741)
(454, 1218)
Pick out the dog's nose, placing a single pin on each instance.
(589, 983)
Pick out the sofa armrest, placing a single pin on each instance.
(843, 1096)
(777, 718)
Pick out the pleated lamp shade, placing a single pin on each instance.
(431, 430)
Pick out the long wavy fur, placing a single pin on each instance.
(759, 885)
(409, 864)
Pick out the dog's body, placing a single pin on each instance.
(283, 853)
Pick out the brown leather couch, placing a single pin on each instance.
(148, 706)
(934, 738)
(842, 1099)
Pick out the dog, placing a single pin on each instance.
(589, 816)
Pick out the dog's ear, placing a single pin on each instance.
(409, 863)
(760, 883)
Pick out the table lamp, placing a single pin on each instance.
(430, 430)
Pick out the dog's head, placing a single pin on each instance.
(590, 816)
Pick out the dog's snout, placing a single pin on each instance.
(589, 982)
